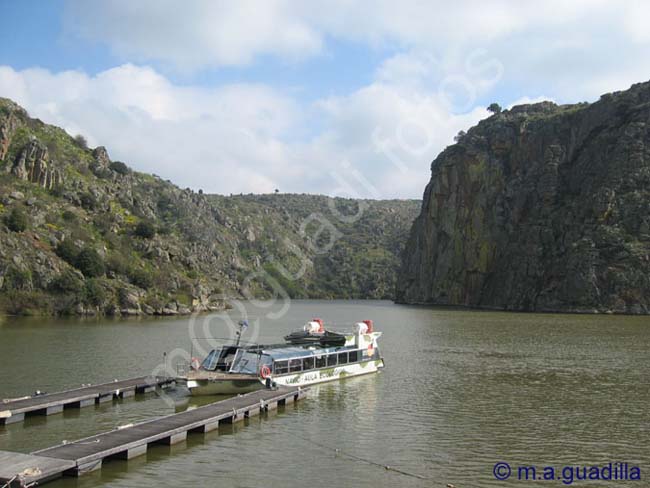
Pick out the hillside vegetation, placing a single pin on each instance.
(82, 234)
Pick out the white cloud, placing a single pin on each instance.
(566, 48)
(224, 139)
(220, 32)
(194, 34)
(529, 100)
(241, 138)
(389, 134)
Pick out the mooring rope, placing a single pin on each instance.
(22, 482)
(338, 451)
(8, 483)
(65, 442)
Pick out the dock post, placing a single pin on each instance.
(53, 409)
(85, 468)
(173, 439)
(13, 418)
(125, 393)
(148, 389)
(133, 452)
(104, 398)
(253, 412)
(210, 426)
(82, 403)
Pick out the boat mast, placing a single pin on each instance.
(243, 325)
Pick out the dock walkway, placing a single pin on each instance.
(85, 455)
(12, 411)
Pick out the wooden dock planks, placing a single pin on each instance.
(14, 410)
(85, 455)
(110, 443)
(14, 466)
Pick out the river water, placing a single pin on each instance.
(461, 391)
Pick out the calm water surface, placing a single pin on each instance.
(461, 391)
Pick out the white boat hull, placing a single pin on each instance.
(323, 375)
(202, 387)
(224, 386)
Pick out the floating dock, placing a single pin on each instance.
(85, 455)
(12, 411)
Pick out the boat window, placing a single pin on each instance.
(211, 360)
(343, 357)
(331, 360)
(307, 363)
(295, 365)
(247, 362)
(281, 367)
(321, 361)
(354, 356)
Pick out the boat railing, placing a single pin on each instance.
(347, 331)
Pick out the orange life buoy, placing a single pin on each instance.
(265, 372)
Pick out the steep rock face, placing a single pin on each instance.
(539, 208)
(8, 125)
(101, 163)
(33, 165)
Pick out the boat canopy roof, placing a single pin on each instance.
(299, 352)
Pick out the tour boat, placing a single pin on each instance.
(237, 369)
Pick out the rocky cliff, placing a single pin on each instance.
(82, 234)
(539, 208)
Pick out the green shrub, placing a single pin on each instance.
(88, 201)
(104, 223)
(291, 287)
(165, 229)
(94, 293)
(117, 264)
(21, 302)
(184, 298)
(90, 263)
(495, 108)
(155, 300)
(119, 167)
(145, 229)
(81, 141)
(66, 282)
(69, 216)
(17, 220)
(57, 190)
(141, 278)
(67, 251)
(17, 279)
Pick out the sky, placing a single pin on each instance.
(339, 97)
